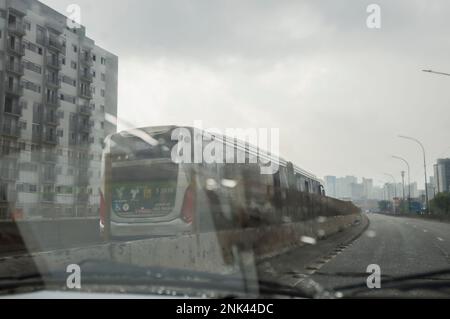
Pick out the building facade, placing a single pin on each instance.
(442, 175)
(57, 91)
(330, 186)
(368, 188)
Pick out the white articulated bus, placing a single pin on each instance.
(146, 192)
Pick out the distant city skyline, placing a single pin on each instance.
(363, 188)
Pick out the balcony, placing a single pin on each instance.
(36, 155)
(73, 161)
(85, 128)
(52, 120)
(15, 67)
(11, 131)
(83, 162)
(86, 94)
(49, 157)
(54, 102)
(51, 139)
(14, 109)
(41, 40)
(53, 63)
(9, 174)
(48, 177)
(19, 8)
(48, 197)
(82, 197)
(85, 109)
(17, 29)
(52, 82)
(16, 48)
(36, 137)
(86, 76)
(14, 89)
(53, 42)
(86, 59)
(83, 178)
(9, 152)
(10, 197)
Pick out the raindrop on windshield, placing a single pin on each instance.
(211, 184)
(229, 183)
(339, 294)
(371, 234)
(308, 240)
(321, 219)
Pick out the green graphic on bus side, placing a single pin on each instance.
(143, 198)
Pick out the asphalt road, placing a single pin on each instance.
(400, 246)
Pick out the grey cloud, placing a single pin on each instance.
(339, 91)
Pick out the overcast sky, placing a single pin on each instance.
(339, 92)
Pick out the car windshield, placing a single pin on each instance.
(225, 148)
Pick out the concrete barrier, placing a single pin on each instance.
(211, 252)
(214, 251)
(42, 235)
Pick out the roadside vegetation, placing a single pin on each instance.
(439, 207)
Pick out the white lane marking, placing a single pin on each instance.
(443, 251)
(440, 239)
(425, 231)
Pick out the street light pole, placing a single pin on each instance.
(409, 179)
(395, 189)
(424, 167)
(403, 184)
(426, 189)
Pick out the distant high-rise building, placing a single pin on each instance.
(368, 188)
(377, 193)
(344, 186)
(442, 175)
(57, 90)
(357, 191)
(431, 187)
(414, 190)
(391, 191)
(330, 186)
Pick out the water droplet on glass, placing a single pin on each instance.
(211, 184)
(371, 234)
(308, 240)
(321, 219)
(339, 294)
(229, 183)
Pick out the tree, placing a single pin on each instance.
(441, 203)
(384, 205)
